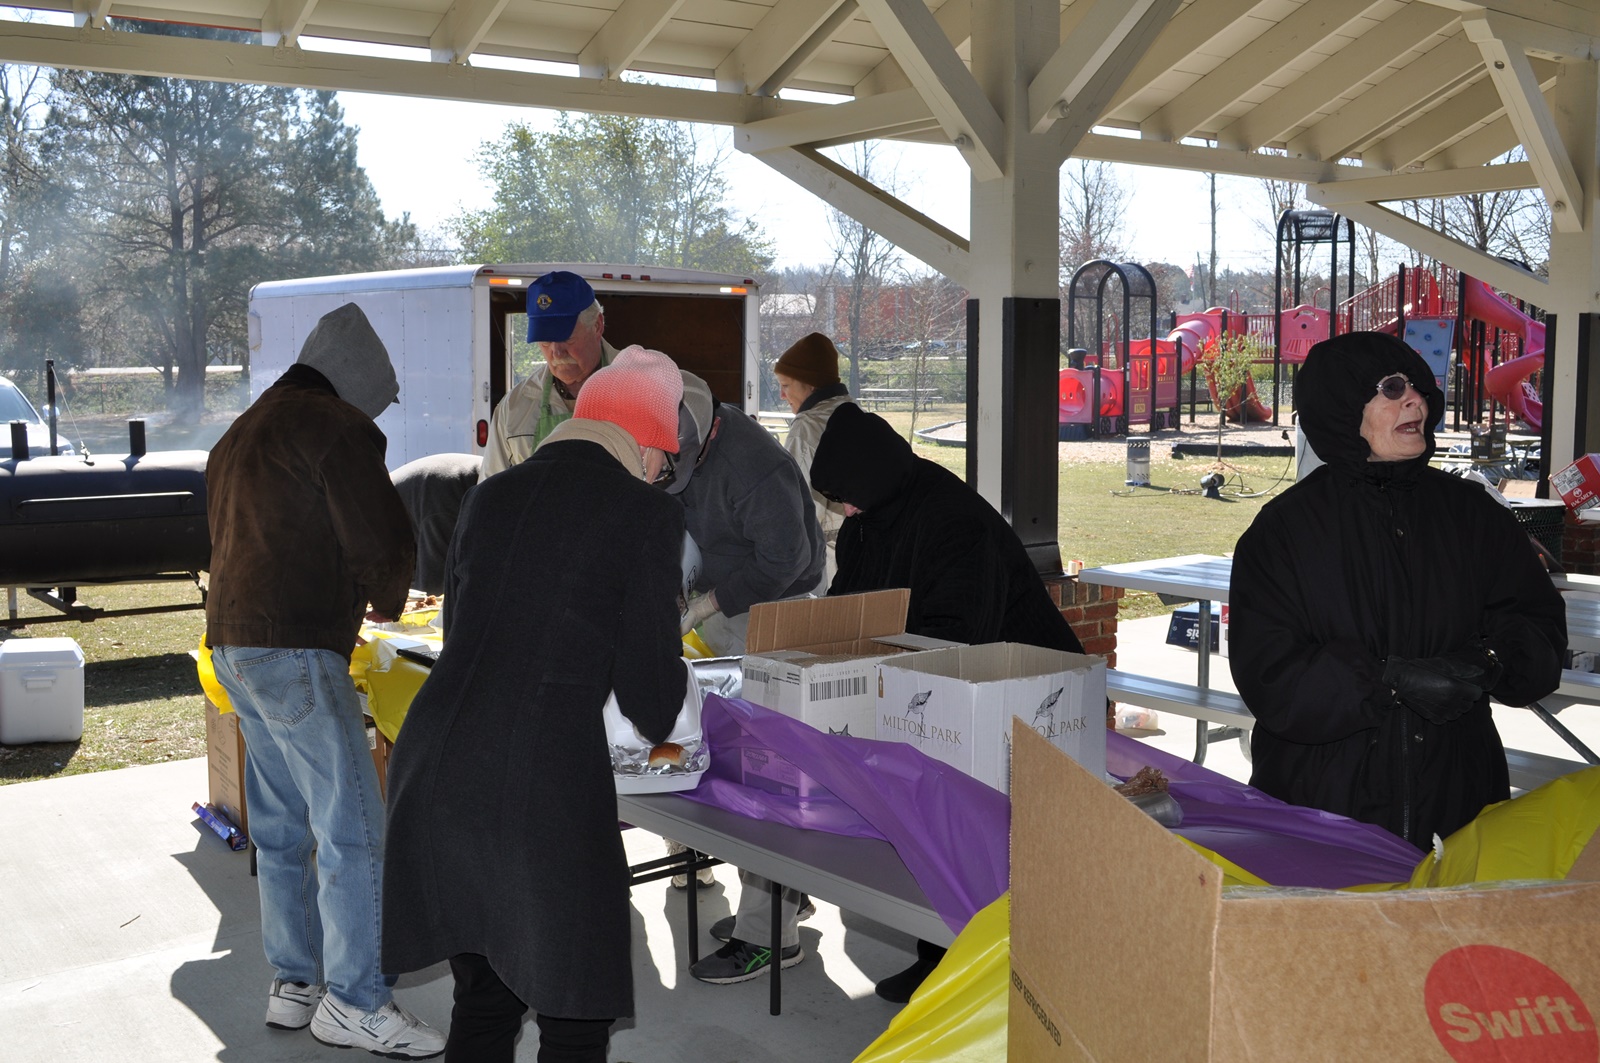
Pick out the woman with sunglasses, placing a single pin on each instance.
(1378, 604)
(503, 856)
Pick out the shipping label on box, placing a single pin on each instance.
(1496, 972)
(1579, 483)
(815, 659)
(956, 705)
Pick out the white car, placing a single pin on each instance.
(14, 406)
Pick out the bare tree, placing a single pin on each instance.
(933, 316)
(1094, 210)
(861, 262)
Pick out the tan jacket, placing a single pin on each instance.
(514, 427)
(801, 443)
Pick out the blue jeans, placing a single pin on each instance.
(316, 818)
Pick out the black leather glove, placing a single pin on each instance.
(1443, 688)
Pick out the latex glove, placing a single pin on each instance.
(1442, 688)
(699, 609)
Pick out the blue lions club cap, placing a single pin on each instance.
(554, 302)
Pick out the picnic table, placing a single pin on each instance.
(894, 398)
(1205, 578)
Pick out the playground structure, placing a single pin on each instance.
(1498, 346)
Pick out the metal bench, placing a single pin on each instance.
(1528, 770)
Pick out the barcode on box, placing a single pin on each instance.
(822, 690)
(755, 675)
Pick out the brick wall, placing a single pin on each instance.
(1580, 547)
(1091, 610)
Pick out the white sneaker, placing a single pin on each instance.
(290, 1005)
(390, 1031)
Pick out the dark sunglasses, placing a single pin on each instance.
(668, 473)
(1394, 386)
(831, 497)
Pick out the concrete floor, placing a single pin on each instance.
(128, 932)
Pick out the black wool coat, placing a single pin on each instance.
(1363, 560)
(922, 528)
(561, 585)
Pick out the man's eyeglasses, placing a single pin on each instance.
(1394, 386)
(831, 497)
(668, 473)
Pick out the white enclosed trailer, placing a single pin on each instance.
(456, 335)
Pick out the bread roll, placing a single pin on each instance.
(667, 755)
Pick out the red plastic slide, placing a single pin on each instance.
(1507, 383)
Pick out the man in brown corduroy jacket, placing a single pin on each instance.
(307, 530)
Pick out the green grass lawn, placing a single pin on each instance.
(142, 701)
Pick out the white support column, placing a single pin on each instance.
(1014, 252)
(1574, 263)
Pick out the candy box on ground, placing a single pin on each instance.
(41, 691)
(1579, 483)
(956, 705)
(1165, 964)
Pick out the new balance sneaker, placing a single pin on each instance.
(290, 1005)
(740, 961)
(703, 879)
(390, 1031)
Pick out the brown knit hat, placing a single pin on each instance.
(812, 360)
(639, 392)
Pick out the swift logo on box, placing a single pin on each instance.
(1490, 1004)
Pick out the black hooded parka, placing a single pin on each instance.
(922, 528)
(1362, 560)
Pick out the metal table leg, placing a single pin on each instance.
(775, 1005)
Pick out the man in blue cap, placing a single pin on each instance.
(568, 325)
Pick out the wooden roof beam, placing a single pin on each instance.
(1432, 132)
(1191, 110)
(919, 45)
(1467, 259)
(769, 54)
(1438, 74)
(906, 228)
(1386, 43)
(1094, 60)
(1187, 31)
(1518, 84)
(615, 46)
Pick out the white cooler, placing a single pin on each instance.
(41, 691)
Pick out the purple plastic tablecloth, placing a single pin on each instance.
(1286, 845)
(953, 832)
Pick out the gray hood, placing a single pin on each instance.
(344, 348)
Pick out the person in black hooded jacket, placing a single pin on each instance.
(1377, 604)
(911, 523)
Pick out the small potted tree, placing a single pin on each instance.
(1228, 364)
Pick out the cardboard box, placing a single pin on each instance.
(1579, 483)
(225, 763)
(225, 766)
(41, 691)
(956, 705)
(1164, 965)
(816, 659)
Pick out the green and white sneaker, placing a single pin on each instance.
(290, 1005)
(740, 961)
(390, 1031)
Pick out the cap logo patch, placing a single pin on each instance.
(544, 301)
